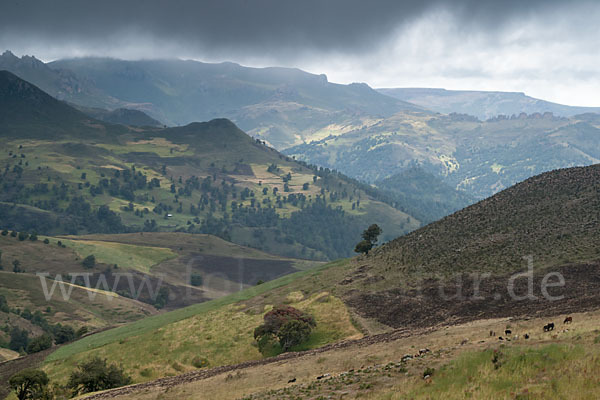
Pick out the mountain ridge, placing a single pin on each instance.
(482, 104)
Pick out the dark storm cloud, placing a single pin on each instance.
(243, 25)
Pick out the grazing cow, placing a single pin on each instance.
(500, 338)
(507, 332)
(292, 380)
(549, 327)
(568, 320)
(526, 336)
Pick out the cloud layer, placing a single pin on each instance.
(547, 48)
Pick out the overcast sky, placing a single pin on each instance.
(548, 49)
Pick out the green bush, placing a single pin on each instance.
(89, 262)
(39, 343)
(3, 304)
(29, 384)
(286, 324)
(63, 334)
(96, 374)
(200, 362)
(196, 280)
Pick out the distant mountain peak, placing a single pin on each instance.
(8, 54)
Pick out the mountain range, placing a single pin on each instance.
(482, 104)
(366, 134)
(283, 106)
(67, 173)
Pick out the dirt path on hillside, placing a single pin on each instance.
(169, 382)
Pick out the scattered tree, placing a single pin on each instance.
(369, 236)
(29, 384)
(89, 262)
(161, 298)
(19, 339)
(4, 304)
(39, 343)
(196, 280)
(63, 334)
(96, 374)
(285, 324)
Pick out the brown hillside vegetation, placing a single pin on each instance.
(553, 216)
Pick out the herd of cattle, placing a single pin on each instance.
(507, 332)
(547, 328)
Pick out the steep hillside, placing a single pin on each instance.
(480, 104)
(478, 157)
(66, 173)
(23, 105)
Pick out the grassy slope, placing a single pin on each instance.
(562, 364)
(246, 307)
(136, 257)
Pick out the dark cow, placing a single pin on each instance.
(549, 327)
(568, 320)
(507, 332)
(292, 380)
(526, 336)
